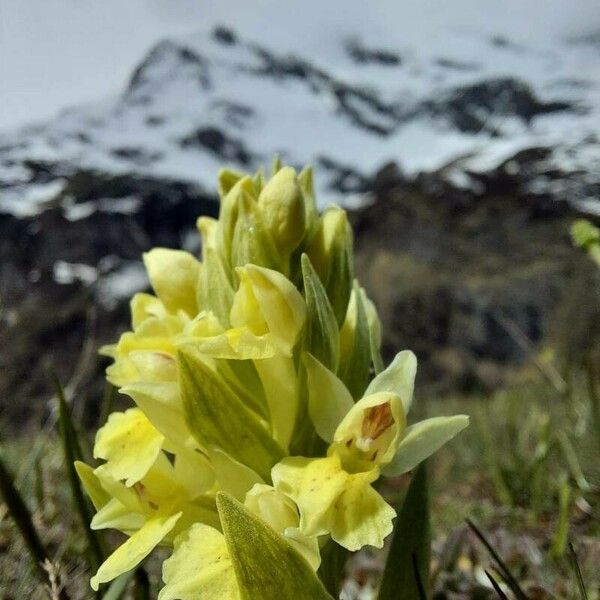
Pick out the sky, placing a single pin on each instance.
(59, 53)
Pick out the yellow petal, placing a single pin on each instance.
(161, 403)
(280, 384)
(398, 377)
(238, 344)
(329, 401)
(134, 550)
(144, 306)
(200, 567)
(369, 434)
(281, 513)
(91, 484)
(130, 444)
(115, 515)
(423, 439)
(205, 324)
(174, 277)
(208, 228)
(154, 365)
(202, 510)
(268, 302)
(232, 476)
(193, 471)
(314, 484)
(361, 516)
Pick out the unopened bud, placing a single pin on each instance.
(330, 252)
(282, 207)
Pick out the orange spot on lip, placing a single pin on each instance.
(377, 420)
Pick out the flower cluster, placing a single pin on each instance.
(251, 373)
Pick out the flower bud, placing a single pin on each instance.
(174, 277)
(267, 302)
(251, 241)
(229, 212)
(282, 207)
(330, 252)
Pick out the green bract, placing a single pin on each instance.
(259, 428)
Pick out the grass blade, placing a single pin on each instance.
(406, 572)
(22, 518)
(418, 578)
(559, 543)
(72, 452)
(496, 587)
(576, 569)
(117, 588)
(503, 570)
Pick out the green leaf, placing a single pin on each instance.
(354, 370)
(398, 378)
(341, 270)
(321, 333)
(242, 377)
(421, 440)
(215, 291)
(20, 513)
(266, 565)
(218, 419)
(407, 566)
(72, 453)
(584, 233)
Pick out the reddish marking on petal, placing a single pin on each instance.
(377, 420)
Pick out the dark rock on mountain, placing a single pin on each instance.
(362, 54)
(66, 277)
(470, 108)
(476, 285)
(462, 235)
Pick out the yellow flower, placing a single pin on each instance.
(201, 565)
(218, 365)
(281, 513)
(148, 352)
(139, 491)
(334, 494)
(174, 278)
(268, 303)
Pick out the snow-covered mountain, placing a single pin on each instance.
(489, 137)
(460, 104)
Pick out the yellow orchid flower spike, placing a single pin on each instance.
(258, 429)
